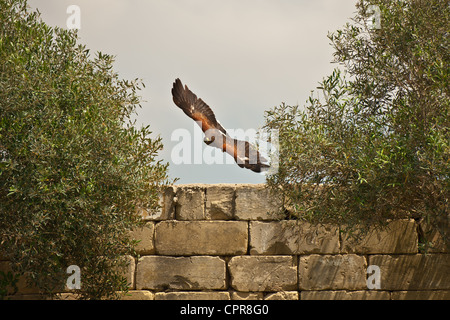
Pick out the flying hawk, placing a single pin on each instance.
(215, 135)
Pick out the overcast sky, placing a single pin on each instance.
(242, 57)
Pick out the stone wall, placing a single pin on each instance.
(223, 242)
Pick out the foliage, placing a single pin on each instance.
(73, 167)
(375, 144)
(8, 284)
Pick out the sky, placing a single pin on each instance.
(242, 57)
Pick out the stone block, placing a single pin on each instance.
(145, 236)
(220, 201)
(190, 202)
(247, 295)
(192, 295)
(67, 296)
(137, 295)
(282, 295)
(129, 272)
(255, 202)
(345, 295)
(201, 237)
(332, 272)
(166, 208)
(26, 297)
(263, 273)
(399, 236)
(421, 295)
(22, 286)
(292, 237)
(269, 238)
(413, 272)
(432, 239)
(181, 273)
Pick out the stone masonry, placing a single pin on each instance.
(226, 241)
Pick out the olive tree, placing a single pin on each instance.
(73, 166)
(372, 143)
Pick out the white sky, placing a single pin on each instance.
(242, 57)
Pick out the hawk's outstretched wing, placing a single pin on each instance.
(242, 152)
(194, 107)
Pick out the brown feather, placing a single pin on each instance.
(194, 107)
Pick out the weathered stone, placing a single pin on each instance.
(263, 273)
(67, 296)
(166, 208)
(398, 236)
(180, 273)
(220, 201)
(192, 295)
(128, 273)
(201, 237)
(318, 238)
(432, 240)
(325, 270)
(22, 286)
(282, 295)
(345, 295)
(413, 272)
(190, 202)
(292, 237)
(280, 237)
(138, 295)
(332, 272)
(255, 202)
(246, 295)
(20, 297)
(145, 236)
(421, 295)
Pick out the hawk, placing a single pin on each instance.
(215, 135)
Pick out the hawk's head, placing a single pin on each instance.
(209, 140)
